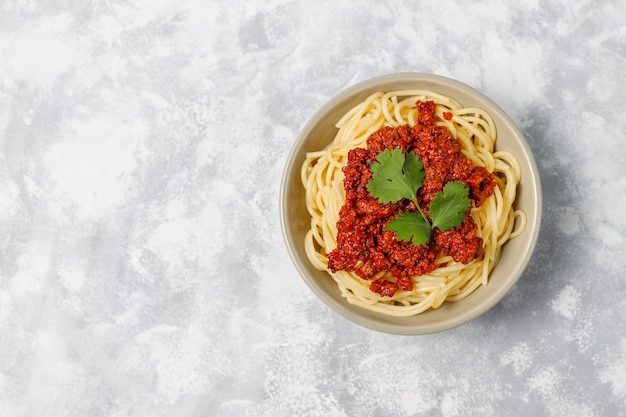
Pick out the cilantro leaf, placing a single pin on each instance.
(448, 207)
(410, 226)
(396, 175)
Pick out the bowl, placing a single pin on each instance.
(295, 220)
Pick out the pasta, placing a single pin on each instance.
(496, 218)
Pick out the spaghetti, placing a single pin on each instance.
(495, 217)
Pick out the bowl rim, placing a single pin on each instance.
(345, 309)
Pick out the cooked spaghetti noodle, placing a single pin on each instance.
(496, 218)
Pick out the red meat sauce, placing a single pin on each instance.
(374, 254)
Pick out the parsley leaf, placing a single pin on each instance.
(410, 226)
(396, 175)
(448, 207)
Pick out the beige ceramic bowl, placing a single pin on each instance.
(295, 220)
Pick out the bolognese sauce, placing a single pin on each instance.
(377, 255)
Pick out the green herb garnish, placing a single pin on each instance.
(396, 175)
(412, 227)
(449, 206)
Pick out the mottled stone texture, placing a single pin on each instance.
(142, 270)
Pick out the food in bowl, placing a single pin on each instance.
(296, 221)
(410, 203)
